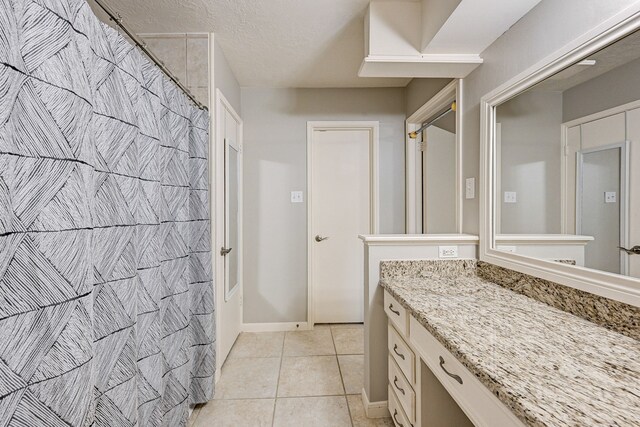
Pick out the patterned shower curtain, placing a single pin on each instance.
(106, 298)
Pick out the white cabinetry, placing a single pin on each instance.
(428, 386)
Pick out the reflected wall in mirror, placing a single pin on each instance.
(567, 164)
(439, 173)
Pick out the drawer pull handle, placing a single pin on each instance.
(395, 383)
(395, 414)
(395, 350)
(454, 376)
(397, 313)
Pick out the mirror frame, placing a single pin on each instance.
(608, 285)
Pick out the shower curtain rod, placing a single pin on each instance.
(414, 134)
(115, 17)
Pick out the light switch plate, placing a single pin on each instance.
(510, 197)
(470, 188)
(297, 197)
(610, 197)
(448, 251)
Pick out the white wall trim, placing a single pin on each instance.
(276, 327)
(174, 35)
(413, 156)
(546, 239)
(419, 239)
(374, 409)
(617, 287)
(374, 128)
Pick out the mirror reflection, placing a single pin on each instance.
(568, 164)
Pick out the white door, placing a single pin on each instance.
(633, 237)
(228, 228)
(599, 207)
(341, 191)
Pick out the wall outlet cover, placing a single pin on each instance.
(297, 197)
(470, 188)
(610, 197)
(510, 197)
(448, 251)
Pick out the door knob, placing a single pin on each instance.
(224, 251)
(633, 251)
(320, 238)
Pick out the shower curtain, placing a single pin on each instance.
(106, 297)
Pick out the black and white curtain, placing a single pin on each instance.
(106, 297)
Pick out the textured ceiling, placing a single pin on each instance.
(270, 43)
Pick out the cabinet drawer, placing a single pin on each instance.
(478, 403)
(402, 354)
(395, 409)
(403, 389)
(396, 313)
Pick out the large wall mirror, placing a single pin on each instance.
(564, 168)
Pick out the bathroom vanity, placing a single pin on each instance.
(464, 350)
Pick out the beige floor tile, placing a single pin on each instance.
(248, 378)
(347, 326)
(236, 413)
(309, 376)
(194, 416)
(348, 340)
(262, 344)
(359, 417)
(309, 343)
(327, 411)
(352, 370)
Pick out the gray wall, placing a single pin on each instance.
(275, 230)
(440, 180)
(530, 162)
(224, 79)
(617, 87)
(546, 28)
(419, 91)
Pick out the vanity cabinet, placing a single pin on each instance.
(428, 386)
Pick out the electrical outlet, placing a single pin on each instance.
(610, 197)
(510, 197)
(448, 251)
(297, 197)
(470, 188)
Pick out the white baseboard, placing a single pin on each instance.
(374, 409)
(275, 327)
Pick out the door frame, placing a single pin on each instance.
(218, 222)
(374, 131)
(623, 196)
(413, 156)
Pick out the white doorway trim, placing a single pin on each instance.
(218, 221)
(413, 155)
(374, 130)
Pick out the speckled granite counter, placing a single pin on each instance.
(550, 367)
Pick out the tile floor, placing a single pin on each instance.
(301, 379)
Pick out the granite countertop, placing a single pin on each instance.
(549, 367)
